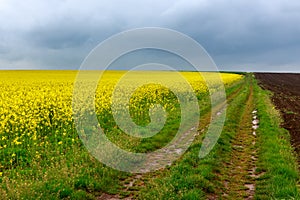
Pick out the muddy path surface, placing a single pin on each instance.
(237, 173)
(240, 171)
(286, 90)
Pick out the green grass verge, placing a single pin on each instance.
(276, 159)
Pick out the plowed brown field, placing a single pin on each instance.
(286, 89)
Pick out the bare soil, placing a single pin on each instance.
(286, 90)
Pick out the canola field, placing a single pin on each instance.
(36, 119)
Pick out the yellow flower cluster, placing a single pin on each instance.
(36, 106)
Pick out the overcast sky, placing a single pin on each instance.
(239, 35)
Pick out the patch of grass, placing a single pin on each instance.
(276, 159)
(78, 177)
(290, 112)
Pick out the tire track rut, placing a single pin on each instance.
(240, 173)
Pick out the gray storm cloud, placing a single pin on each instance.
(239, 35)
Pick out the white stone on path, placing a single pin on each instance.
(255, 127)
(255, 122)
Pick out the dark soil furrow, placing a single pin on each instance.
(286, 97)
